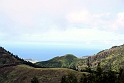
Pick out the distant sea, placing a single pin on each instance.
(42, 53)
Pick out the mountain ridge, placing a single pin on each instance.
(7, 58)
(22, 72)
(110, 58)
(66, 61)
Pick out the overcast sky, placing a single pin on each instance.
(62, 22)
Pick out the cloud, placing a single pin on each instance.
(61, 21)
(101, 15)
(102, 21)
(118, 23)
(79, 17)
(120, 19)
(71, 35)
(88, 19)
(28, 13)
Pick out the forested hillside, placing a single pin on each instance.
(9, 59)
(67, 61)
(112, 58)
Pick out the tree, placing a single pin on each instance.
(83, 79)
(99, 70)
(34, 80)
(70, 78)
(63, 80)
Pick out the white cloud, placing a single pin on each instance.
(102, 21)
(101, 15)
(86, 17)
(60, 21)
(71, 35)
(117, 24)
(120, 19)
(26, 9)
(79, 17)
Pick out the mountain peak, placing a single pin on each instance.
(67, 60)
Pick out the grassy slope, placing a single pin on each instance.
(24, 73)
(66, 61)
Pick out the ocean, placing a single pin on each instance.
(43, 53)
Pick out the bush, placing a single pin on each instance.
(34, 80)
(70, 78)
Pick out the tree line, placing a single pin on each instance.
(98, 76)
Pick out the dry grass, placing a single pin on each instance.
(24, 74)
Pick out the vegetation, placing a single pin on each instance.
(24, 74)
(67, 61)
(70, 78)
(34, 80)
(104, 67)
(113, 57)
(8, 59)
(97, 76)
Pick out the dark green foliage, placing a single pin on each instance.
(104, 77)
(113, 56)
(97, 76)
(99, 71)
(67, 61)
(64, 79)
(34, 80)
(83, 79)
(114, 46)
(9, 59)
(70, 78)
(49, 64)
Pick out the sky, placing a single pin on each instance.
(83, 23)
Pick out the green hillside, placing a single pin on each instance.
(112, 58)
(67, 61)
(7, 58)
(16, 70)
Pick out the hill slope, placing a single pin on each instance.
(67, 61)
(7, 58)
(24, 74)
(112, 58)
(19, 73)
(16, 70)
